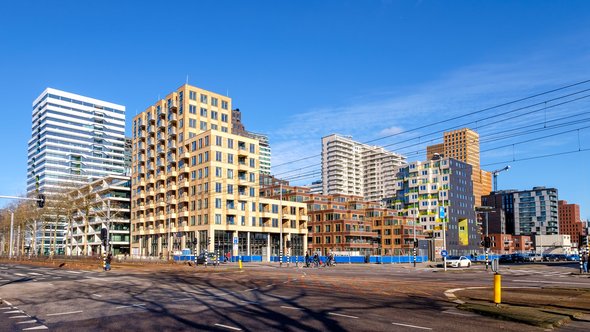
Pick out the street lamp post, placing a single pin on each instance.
(281, 223)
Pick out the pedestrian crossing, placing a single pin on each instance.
(32, 274)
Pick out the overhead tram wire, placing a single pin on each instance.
(530, 131)
(501, 120)
(454, 118)
(514, 160)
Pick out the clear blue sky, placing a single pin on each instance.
(300, 70)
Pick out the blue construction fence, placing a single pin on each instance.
(338, 259)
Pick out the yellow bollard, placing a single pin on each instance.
(497, 288)
(240, 263)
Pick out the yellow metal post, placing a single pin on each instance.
(497, 288)
(240, 263)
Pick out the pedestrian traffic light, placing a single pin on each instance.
(288, 244)
(415, 243)
(103, 234)
(40, 200)
(487, 242)
(208, 242)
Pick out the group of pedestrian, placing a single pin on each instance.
(316, 261)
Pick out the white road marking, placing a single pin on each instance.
(27, 322)
(185, 299)
(552, 282)
(96, 295)
(292, 308)
(341, 315)
(20, 274)
(250, 289)
(413, 326)
(14, 312)
(40, 327)
(7, 308)
(76, 272)
(65, 313)
(35, 273)
(229, 327)
(249, 302)
(18, 317)
(8, 303)
(130, 306)
(456, 313)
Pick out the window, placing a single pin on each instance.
(192, 123)
(192, 95)
(204, 99)
(218, 172)
(230, 158)
(230, 143)
(224, 104)
(217, 187)
(252, 148)
(223, 117)
(218, 140)
(218, 203)
(230, 173)
(203, 111)
(213, 115)
(203, 125)
(252, 162)
(214, 101)
(218, 155)
(230, 189)
(217, 219)
(192, 109)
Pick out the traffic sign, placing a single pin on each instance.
(441, 212)
(235, 240)
(444, 253)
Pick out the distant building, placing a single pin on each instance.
(316, 187)
(463, 145)
(526, 212)
(570, 222)
(507, 243)
(424, 187)
(353, 168)
(238, 128)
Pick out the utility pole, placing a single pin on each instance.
(280, 223)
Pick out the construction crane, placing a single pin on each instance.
(495, 174)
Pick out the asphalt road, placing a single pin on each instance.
(261, 297)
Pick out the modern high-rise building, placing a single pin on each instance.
(424, 187)
(463, 145)
(74, 140)
(524, 212)
(570, 222)
(195, 185)
(353, 168)
(264, 144)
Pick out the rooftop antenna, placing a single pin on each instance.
(186, 79)
(227, 93)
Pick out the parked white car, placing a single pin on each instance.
(458, 261)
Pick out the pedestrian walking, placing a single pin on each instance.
(107, 266)
(585, 261)
(306, 259)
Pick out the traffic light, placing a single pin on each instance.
(487, 242)
(415, 243)
(288, 244)
(103, 234)
(208, 242)
(40, 200)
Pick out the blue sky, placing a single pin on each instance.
(300, 70)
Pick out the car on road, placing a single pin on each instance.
(458, 261)
(518, 258)
(506, 259)
(554, 257)
(573, 258)
(532, 257)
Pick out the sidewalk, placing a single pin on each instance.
(547, 307)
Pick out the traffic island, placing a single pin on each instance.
(542, 307)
